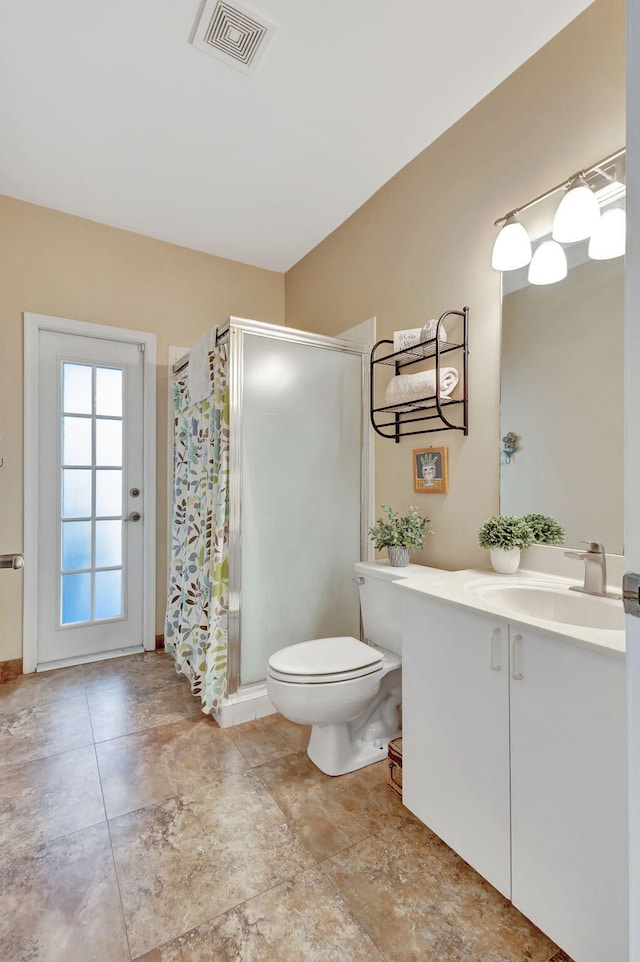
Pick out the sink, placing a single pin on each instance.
(550, 602)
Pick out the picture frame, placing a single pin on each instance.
(430, 471)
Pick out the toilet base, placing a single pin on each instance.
(332, 750)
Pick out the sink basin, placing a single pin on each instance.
(551, 602)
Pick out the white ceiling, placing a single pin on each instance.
(107, 111)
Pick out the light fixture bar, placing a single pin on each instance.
(565, 183)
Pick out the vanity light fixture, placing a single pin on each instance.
(578, 214)
(577, 218)
(609, 238)
(548, 265)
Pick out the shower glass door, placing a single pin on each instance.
(300, 492)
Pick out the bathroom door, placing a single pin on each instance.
(91, 498)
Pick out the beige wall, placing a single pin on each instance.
(52, 263)
(423, 243)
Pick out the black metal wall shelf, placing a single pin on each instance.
(435, 405)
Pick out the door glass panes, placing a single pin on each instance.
(76, 493)
(76, 388)
(108, 594)
(91, 486)
(109, 391)
(76, 440)
(108, 493)
(108, 442)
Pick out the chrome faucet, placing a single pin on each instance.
(595, 568)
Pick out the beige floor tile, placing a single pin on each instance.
(141, 670)
(418, 900)
(302, 920)
(147, 767)
(329, 813)
(41, 688)
(60, 902)
(270, 737)
(44, 729)
(188, 859)
(124, 709)
(50, 797)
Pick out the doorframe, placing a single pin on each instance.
(33, 325)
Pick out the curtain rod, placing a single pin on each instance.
(565, 183)
(182, 362)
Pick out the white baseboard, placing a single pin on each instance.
(246, 705)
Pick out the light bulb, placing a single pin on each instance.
(512, 248)
(610, 236)
(578, 214)
(548, 265)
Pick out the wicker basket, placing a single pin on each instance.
(394, 769)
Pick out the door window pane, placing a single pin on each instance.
(76, 598)
(76, 493)
(108, 543)
(108, 598)
(76, 441)
(76, 388)
(108, 493)
(109, 391)
(108, 442)
(76, 545)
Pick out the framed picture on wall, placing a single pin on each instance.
(430, 471)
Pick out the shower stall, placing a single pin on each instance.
(297, 501)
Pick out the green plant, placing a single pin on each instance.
(406, 531)
(504, 531)
(545, 530)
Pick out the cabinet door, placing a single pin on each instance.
(568, 794)
(455, 735)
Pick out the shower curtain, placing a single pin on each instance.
(196, 628)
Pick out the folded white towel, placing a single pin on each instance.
(406, 388)
(198, 369)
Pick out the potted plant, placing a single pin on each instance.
(399, 534)
(545, 530)
(505, 536)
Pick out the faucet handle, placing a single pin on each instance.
(593, 547)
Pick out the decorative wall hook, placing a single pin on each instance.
(509, 446)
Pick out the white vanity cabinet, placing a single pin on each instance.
(514, 753)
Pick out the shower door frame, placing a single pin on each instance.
(238, 327)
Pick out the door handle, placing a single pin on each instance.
(516, 675)
(493, 637)
(134, 516)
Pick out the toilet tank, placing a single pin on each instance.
(379, 601)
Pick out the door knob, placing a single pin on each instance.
(134, 516)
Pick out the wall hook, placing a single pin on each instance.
(509, 446)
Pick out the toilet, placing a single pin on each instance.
(348, 691)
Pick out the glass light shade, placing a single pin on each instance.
(610, 236)
(512, 248)
(578, 214)
(548, 265)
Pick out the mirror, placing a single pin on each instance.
(562, 395)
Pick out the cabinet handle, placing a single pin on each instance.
(516, 675)
(495, 634)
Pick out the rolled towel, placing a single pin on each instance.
(406, 388)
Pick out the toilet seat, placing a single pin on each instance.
(325, 660)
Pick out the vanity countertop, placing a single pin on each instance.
(459, 588)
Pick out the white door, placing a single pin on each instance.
(90, 497)
(455, 731)
(568, 794)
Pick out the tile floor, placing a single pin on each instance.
(132, 827)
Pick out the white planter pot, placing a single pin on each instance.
(398, 557)
(505, 561)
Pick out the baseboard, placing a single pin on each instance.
(159, 642)
(10, 669)
(246, 705)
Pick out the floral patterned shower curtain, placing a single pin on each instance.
(196, 628)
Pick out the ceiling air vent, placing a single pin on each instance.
(234, 34)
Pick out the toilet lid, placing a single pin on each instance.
(325, 656)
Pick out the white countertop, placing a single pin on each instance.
(454, 587)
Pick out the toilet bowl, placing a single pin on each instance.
(348, 691)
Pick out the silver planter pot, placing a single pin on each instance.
(398, 557)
